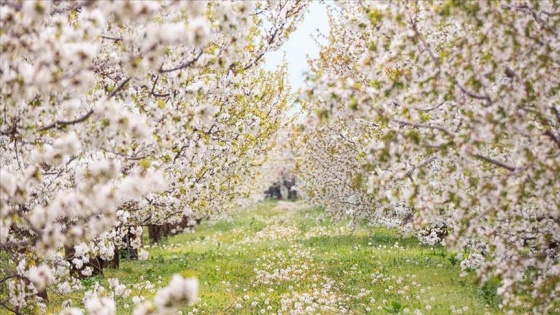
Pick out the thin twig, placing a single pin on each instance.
(116, 90)
(551, 135)
(495, 162)
(424, 126)
(425, 44)
(473, 95)
(8, 245)
(116, 39)
(556, 112)
(182, 66)
(17, 156)
(428, 161)
(154, 87)
(63, 123)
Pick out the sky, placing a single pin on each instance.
(301, 45)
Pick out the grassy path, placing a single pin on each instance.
(288, 258)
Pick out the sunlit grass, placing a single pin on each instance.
(281, 258)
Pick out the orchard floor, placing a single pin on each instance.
(288, 258)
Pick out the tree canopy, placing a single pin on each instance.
(439, 118)
(443, 118)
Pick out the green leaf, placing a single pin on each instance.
(145, 163)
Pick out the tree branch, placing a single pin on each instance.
(154, 87)
(551, 135)
(182, 66)
(406, 123)
(473, 95)
(555, 110)
(495, 162)
(2, 303)
(425, 44)
(247, 67)
(11, 131)
(9, 245)
(115, 39)
(117, 90)
(428, 161)
(63, 123)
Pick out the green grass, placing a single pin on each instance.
(320, 266)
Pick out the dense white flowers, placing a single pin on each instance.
(40, 276)
(443, 117)
(101, 306)
(180, 291)
(121, 114)
(142, 255)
